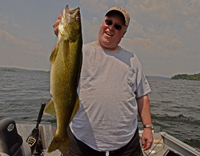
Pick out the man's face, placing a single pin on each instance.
(109, 37)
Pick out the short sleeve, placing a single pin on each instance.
(141, 86)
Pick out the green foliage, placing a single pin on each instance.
(187, 77)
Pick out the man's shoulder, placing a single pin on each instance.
(89, 45)
(130, 57)
(128, 54)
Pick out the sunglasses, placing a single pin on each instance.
(110, 22)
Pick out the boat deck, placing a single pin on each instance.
(166, 145)
(163, 145)
(47, 132)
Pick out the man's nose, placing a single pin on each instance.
(111, 27)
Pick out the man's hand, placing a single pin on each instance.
(147, 138)
(56, 24)
(145, 115)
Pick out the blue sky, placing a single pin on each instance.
(165, 35)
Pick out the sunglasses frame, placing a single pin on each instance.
(110, 22)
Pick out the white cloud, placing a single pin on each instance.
(136, 29)
(16, 52)
(16, 41)
(164, 34)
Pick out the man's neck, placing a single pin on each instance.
(110, 49)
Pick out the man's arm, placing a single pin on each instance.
(145, 115)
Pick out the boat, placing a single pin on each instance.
(163, 145)
(26, 139)
(167, 145)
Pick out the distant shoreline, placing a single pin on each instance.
(38, 70)
(195, 77)
(21, 69)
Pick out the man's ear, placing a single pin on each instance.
(124, 33)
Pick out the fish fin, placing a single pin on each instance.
(50, 109)
(59, 143)
(54, 54)
(76, 108)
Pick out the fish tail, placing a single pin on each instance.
(61, 144)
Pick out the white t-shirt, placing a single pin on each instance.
(110, 82)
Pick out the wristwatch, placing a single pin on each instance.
(148, 126)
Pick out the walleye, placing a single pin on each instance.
(66, 61)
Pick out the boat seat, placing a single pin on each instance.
(11, 143)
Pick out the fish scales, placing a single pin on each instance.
(66, 61)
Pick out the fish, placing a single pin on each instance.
(65, 71)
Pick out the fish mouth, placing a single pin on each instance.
(108, 33)
(70, 13)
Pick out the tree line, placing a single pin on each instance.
(187, 77)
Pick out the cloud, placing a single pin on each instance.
(169, 24)
(16, 52)
(16, 41)
(191, 29)
(172, 13)
(136, 29)
(120, 3)
(90, 29)
(164, 34)
(95, 6)
(6, 21)
(17, 26)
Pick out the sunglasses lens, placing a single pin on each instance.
(108, 22)
(118, 27)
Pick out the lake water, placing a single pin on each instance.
(175, 104)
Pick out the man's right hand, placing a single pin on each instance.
(56, 24)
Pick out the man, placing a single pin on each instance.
(112, 90)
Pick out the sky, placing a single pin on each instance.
(164, 34)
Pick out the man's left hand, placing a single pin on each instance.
(147, 139)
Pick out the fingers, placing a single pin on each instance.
(56, 24)
(147, 139)
(146, 145)
(60, 16)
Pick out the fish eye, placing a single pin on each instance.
(78, 18)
